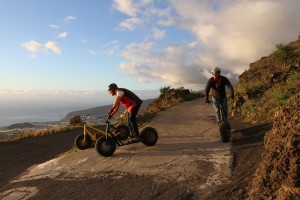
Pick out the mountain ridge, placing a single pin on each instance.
(99, 110)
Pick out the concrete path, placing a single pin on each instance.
(188, 151)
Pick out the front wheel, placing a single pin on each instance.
(105, 146)
(224, 129)
(83, 143)
(149, 136)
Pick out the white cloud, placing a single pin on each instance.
(63, 35)
(130, 24)
(109, 49)
(94, 52)
(166, 22)
(175, 65)
(126, 7)
(35, 47)
(53, 47)
(54, 26)
(142, 11)
(230, 34)
(68, 19)
(158, 34)
(31, 46)
(239, 32)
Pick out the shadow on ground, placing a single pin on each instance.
(247, 146)
(250, 135)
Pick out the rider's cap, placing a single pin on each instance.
(112, 86)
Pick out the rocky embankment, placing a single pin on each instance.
(278, 175)
(269, 91)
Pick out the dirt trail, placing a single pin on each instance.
(188, 162)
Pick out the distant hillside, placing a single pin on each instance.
(21, 125)
(98, 111)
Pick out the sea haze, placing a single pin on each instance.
(37, 107)
(17, 108)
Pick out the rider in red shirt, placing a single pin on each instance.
(130, 101)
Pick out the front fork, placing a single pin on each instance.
(106, 130)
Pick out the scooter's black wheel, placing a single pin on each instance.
(82, 143)
(228, 130)
(224, 130)
(105, 146)
(122, 132)
(149, 136)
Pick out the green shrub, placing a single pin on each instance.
(164, 89)
(293, 82)
(283, 53)
(75, 120)
(251, 110)
(283, 99)
(254, 89)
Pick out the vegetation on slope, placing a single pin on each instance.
(270, 92)
(277, 176)
(269, 83)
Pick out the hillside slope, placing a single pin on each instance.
(278, 174)
(269, 83)
(270, 92)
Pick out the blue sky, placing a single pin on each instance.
(64, 46)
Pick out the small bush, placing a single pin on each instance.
(253, 90)
(252, 111)
(283, 53)
(279, 95)
(293, 82)
(75, 120)
(164, 89)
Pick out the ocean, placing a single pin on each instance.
(48, 108)
(18, 108)
(11, 114)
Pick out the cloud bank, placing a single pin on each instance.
(230, 34)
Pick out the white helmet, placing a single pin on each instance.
(216, 69)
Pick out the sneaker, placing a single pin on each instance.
(136, 139)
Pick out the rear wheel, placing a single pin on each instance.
(149, 136)
(83, 143)
(224, 129)
(105, 146)
(122, 132)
